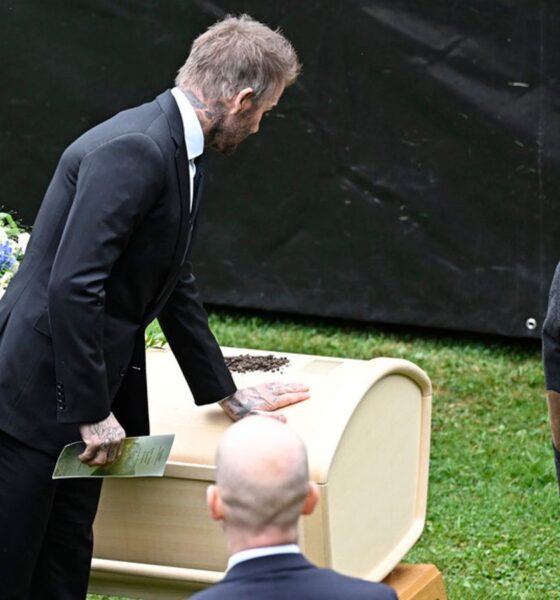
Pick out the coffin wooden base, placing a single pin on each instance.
(417, 582)
(411, 582)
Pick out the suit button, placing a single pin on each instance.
(123, 371)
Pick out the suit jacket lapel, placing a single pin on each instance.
(169, 107)
(182, 168)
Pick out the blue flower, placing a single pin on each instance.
(7, 257)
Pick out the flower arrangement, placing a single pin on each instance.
(13, 242)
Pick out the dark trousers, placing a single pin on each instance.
(45, 527)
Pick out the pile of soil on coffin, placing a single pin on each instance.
(245, 363)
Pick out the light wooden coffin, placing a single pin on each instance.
(367, 431)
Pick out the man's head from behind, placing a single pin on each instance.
(236, 71)
(262, 484)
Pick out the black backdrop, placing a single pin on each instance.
(408, 177)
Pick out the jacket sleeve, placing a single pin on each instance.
(185, 325)
(116, 185)
(551, 336)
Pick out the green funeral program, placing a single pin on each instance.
(143, 456)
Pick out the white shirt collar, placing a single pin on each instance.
(251, 553)
(194, 137)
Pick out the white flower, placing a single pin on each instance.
(23, 240)
(3, 236)
(5, 279)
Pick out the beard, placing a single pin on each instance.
(228, 132)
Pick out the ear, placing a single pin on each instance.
(214, 502)
(311, 499)
(242, 101)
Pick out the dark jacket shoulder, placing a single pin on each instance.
(148, 123)
(287, 576)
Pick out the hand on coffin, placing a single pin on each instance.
(263, 398)
(104, 441)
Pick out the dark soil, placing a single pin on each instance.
(245, 363)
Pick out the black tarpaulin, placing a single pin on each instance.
(408, 177)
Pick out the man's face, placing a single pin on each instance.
(241, 119)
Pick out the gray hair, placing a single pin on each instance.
(237, 53)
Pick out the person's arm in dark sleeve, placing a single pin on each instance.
(551, 359)
(185, 324)
(117, 184)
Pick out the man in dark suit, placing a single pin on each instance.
(551, 356)
(109, 253)
(262, 488)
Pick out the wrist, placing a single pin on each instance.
(234, 408)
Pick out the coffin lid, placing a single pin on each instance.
(337, 388)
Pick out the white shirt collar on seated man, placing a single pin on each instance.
(251, 553)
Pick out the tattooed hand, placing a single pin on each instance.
(263, 398)
(104, 441)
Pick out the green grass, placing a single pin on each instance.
(492, 524)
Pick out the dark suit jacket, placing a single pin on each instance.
(551, 336)
(291, 577)
(108, 253)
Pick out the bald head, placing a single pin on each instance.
(262, 477)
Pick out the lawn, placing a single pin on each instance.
(492, 525)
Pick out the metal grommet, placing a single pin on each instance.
(531, 324)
